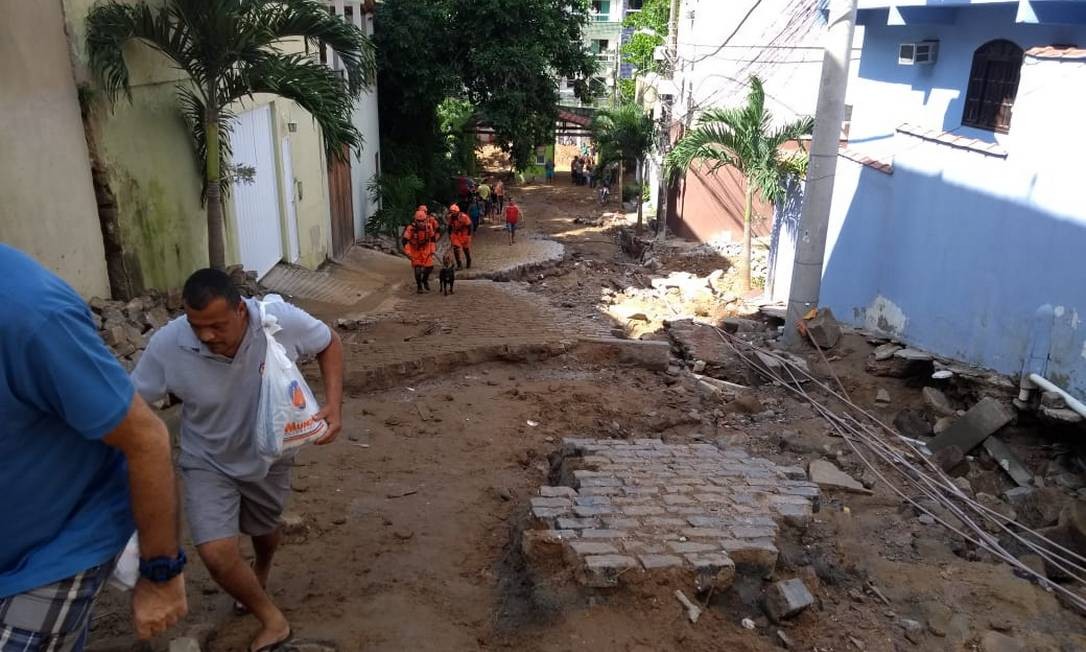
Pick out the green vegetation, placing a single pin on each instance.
(744, 137)
(624, 133)
(650, 32)
(230, 49)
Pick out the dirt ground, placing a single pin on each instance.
(404, 534)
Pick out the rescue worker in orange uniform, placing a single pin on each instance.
(460, 228)
(419, 245)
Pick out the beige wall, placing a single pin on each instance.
(47, 204)
(153, 170)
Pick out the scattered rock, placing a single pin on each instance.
(914, 355)
(948, 458)
(747, 623)
(993, 641)
(746, 404)
(785, 640)
(184, 644)
(981, 421)
(943, 423)
(882, 397)
(886, 351)
(826, 475)
(938, 402)
(913, 629)
(1033, 562)
(926, 519)
(699, 366)
(913, 423)
(740, 325)
(787, 598)
(824, 329)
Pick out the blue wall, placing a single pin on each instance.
(956, 250)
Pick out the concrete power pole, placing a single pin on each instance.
(671, 61)
(818, 193)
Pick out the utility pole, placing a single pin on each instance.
(671, 63)
(818, 192)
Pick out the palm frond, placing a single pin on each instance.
(311, 20)
(315, 87)
(111, 24)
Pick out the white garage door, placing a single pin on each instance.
(256, 204)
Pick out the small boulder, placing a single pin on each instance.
(787, 598)
(938, 402)
(824, 329)
(913, 423)
(993, 641)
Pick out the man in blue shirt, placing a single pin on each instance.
(83, 462)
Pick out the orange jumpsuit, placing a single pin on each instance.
(419, 245)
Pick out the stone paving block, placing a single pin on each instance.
(712, 571)
(653, 562)
(592, 548)
(645, 506)
(557, 492)
(759, 555)
(602, 534)
(602, 571)
(571, 523)
(787, 598)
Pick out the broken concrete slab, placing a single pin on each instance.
(886, 351)
(981, 421)
(914, 355)
(787, 599)
(827, 476)
(1008, 461)
(938, 402)
(824, 329)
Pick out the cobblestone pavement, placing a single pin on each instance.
(645, 507)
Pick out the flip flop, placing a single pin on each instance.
(278, 645)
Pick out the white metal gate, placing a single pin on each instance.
(256, 204)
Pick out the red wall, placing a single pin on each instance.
(710, 205)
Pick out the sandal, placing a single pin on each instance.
(278, 645)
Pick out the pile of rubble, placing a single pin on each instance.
(677, 295)
(127, 327)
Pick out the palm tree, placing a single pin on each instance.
(229, 50)
(744, 137)
(624, 133)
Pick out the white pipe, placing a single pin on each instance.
(1047, 385)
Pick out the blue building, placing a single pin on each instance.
(959, 218)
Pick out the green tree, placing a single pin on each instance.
(744, 138)
(512, 51)
(650, 32)
(398, 197)
(231, 49)
(624, 133)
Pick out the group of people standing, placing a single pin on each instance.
(583, 171)
(423, 236)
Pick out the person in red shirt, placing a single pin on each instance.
(512, 216)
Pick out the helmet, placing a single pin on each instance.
(422, 208)
(454, 209)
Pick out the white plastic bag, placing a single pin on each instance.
(126, 572)
(285, 413)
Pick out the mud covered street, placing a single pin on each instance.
(409, 532)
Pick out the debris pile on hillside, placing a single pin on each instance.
(126, 327)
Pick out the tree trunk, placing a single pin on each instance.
(621, 175)
(216, 248)
(640, 208)
(748, 207)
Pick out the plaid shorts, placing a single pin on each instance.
(53, 618)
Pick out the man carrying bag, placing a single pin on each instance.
(213, 360)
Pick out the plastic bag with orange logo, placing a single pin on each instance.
(286, 414)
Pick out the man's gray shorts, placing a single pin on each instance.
(221, 507)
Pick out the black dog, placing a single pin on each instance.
(447, 275)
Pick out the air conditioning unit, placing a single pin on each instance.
(919, 54)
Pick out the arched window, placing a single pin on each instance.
(993, 84)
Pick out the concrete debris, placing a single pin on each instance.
(912, 423)
(993, 641)
(1008, 461)
(824, 329)
(747, 623)
(693, 611)
(827, 476)
(787, 599)
(184, 644)
(914, 355)
(699, 366)
(981, 421)
(943, 424)
(886, 351)
(938, 402)
(882, 397)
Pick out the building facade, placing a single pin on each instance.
(720, 46)
(154, 231)
(956, 223)
(604, 36)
